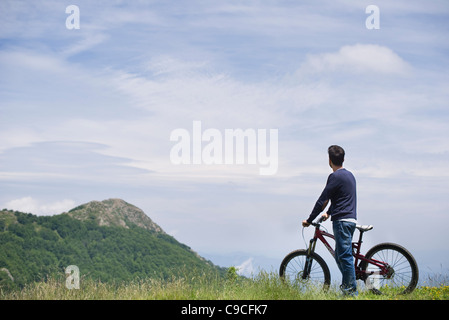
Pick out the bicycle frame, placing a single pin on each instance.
(358, 257)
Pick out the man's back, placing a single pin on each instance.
(341, 188)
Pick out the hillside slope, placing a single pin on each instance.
(114, 212)
(109, 241)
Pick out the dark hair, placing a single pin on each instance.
(336, 154)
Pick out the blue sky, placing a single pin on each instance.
(86, 114)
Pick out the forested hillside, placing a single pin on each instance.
(34, 247)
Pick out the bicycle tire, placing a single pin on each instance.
(292, 269)
(405, 273)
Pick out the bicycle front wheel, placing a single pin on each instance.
(298, 270)
(402, 271)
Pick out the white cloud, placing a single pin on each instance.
(85, 44)
(34, 206)
(359, 58)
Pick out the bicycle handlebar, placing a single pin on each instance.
(317, 224)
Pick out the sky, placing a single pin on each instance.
(89, 102)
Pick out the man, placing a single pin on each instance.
(340, 190)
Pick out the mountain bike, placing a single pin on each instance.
(385, 265)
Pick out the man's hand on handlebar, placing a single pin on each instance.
(324, 217)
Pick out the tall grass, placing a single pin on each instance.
(263, 286)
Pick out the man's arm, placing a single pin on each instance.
(322, 201)
(305, 223)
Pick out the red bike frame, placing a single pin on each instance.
(358, 257)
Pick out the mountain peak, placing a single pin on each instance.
(114, 212)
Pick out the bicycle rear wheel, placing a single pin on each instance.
(402, 272)
(293, 270)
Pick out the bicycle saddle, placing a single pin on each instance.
(364, 227)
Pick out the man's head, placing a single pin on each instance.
(336, 155)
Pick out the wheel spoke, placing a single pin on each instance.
(293, 270)
(402, 271)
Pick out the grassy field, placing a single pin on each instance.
(264, 286)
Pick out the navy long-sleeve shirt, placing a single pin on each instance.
(341, 191)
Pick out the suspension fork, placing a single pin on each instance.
(309, 259)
